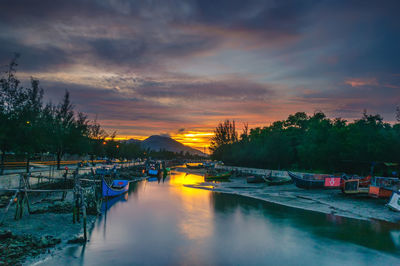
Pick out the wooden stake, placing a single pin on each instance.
(8, 206)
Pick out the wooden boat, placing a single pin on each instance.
(332, 182)
(277, 180)
(153, 168)
(352, 186)
(383, 187)
(198, 166)
(308, 181)
(216, 177)
(255, 179)
(117, 187)
(394, 202)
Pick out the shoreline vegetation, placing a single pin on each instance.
(312, 144)
(32, 130)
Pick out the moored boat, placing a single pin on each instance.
(383, 187)
(355, 184)
(153, 168)
(352, 186)
(117, 187)
(307, 181)
(198, 166)
(216, 177)
(394, 202)
(255, 179)
(277, 180)
(332, 182)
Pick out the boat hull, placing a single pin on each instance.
(153, 172)
(394, 202)
(300, 182)
(277, 181)
(353, 187)
(224, 176)
(255, 179)
(194, 166)
(108, 191)
(379, 192)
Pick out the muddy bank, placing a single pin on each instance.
(321, 200)
(49, 227)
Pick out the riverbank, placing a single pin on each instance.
(48, 228)
(318, 200)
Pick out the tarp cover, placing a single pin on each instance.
(120, 183)
(332, 182)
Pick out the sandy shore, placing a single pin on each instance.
(320, 200)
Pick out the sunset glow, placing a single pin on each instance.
(178, 69)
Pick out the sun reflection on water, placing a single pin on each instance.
(197, 224)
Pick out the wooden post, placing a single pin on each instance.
(26, 187)
(74, 209)
(83, 202)
(8, 206)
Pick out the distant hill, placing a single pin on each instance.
(156, 143)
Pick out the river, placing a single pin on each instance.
(166, 223)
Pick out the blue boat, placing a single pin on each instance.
(152, 179)
(117, 187)
(308, 181)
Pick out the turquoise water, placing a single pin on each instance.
(169, 224)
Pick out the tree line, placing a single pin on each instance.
(311, 143)
(29, 128)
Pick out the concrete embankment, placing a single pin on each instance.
(319, 200)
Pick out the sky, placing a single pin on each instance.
(178, 68)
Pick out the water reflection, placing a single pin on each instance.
(168, 223)
(373, 234)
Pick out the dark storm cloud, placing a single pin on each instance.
(34, 58)
(135, 33)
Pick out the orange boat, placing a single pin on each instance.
(383, 187)
(355, 184)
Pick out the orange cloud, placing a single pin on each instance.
(362, 82)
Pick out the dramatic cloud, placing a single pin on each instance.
(145, 67)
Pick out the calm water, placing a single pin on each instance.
(169, 224)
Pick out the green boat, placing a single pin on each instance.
(221, 176)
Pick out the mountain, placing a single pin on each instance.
(156, 143)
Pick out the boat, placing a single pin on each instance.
(383, 187)
(255, 179)
(277, 180)
(394, 202)
(355, 184)
(198, 166)
(332, 182)
(117, 187)
(352, 186)
(153, 168)
(308, 181)
(216, 177)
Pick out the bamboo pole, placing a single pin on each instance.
(8, 206)
(84, 216)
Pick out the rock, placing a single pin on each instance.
(5, 234)
(43, 242)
